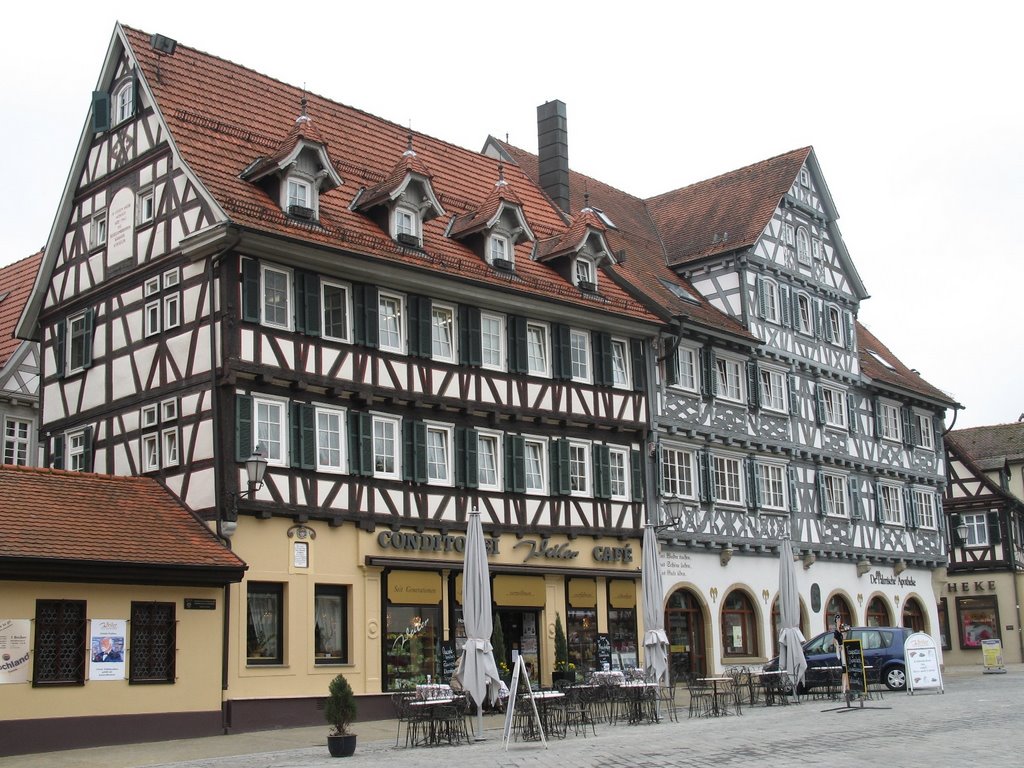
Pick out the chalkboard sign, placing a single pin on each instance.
(604, 652)
(855, 666)
(449, 661)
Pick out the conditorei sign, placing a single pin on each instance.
(537, 548)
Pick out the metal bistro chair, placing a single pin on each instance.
(701, 699)
(578, 711)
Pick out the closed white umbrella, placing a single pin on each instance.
(791, 639)
(476, 672)
(655, 639)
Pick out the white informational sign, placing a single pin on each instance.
(14, 653)
(106, 649)
(921, 659)
(519, 673)
(121, 227)
(992, 655)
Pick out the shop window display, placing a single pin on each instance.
(411, 645)
(978, 618)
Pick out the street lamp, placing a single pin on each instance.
(255, 469)
(961, 531)
(673, 510)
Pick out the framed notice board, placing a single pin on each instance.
(855, 671)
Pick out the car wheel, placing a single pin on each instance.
(896, 679)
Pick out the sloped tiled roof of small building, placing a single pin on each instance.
(993, 445)
(896, 373)
(224, 116)
(58, 517)
(16, 281)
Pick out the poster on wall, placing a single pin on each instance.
(14, 650)
(106, 649)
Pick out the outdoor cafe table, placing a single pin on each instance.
(545, 709)
(433, 735)
(434, 691)
(771, 684)
(634, 695)
(716, 709)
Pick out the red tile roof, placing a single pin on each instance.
(16, 282)
(896, 373)
(993, 445)
(223, 116)
(54, 518)
(477, 219)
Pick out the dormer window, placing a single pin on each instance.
(586, 279)
(499, 248)
(124, 102)
(407, 226)
(298, 193)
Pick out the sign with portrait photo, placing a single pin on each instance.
(106, 649)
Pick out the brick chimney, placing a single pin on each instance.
(553, 152)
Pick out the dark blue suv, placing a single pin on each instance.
(883, 654)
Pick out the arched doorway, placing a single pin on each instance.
(838, 604)
(913, 615)
(739, 633)
(878, 613)
(684, 624)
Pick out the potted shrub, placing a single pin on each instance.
(564, 671)
(340, 711)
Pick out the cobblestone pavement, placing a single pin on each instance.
(980, 716)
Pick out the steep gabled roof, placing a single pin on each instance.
(725, 213)
(960, 449)
(991, 447)
(58, 525)
(879, 364)
(503, 195)
(16, 282)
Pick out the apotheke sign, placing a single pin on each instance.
(533, 548)
(904, 581)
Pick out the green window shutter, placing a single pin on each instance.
(827, 323)
(307, 303)
(250, 290)
(707, 479)
(561, 351)
(602, 472)
(705, 371)
(822, 498)
(87, 453)
(414, 468)
(910, 504)
(303, 431)
(785, 306)
(672, 365)
(136, 92)
(878, 417)
(850, 330)
(994, 529)
(366, 315)
(245, 435)
(753, 385)
(61, 351)
(762, 298)
(794, 501)
(794, 394)
(515, 469)
(472, 441)
(424, 325)
(602, 344)
(467, 472)
(360, 443)
(637, 464)
(819, 392)
(796, 308)
(518, 357)
(470, 346)
(659, 470)
(851, 413)
(907, 417)
(89, 316)
(856, 509)
(57, 454)
(816, 317)
(878, 503)
(559, 465)
(636, 348)
(100, 111)
(413, 322)
(753, 491)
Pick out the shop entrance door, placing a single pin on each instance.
(521, 628)
(684, 624)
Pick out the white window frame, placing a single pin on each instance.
(535, 330)
(771, 484)
(124, 102)
(446, 433)
(581, 474)
(171, 278)
(98, 230)
(75, 340)
(17, 441)
(621, 378)
(805, 178)
(816, 248)
(977, 529)
(405, 220)
(619, 471)
(584, 271)
(151, 318)
(437, 328)
(149, 416)
(836, 488)
(151, 287)
(803, 246)
(891, 511)
(771, 300)
(169, 409)
(384, 297)
(150, 447)
(146, 207)
(394, 423)
(774, 386)
(275, 448)
(499, 247)
(804, 320)
(678, 472)
(540, 445)
(75, 442)
(788, 235)
(346, 292)
(835, 407)
(579, 353)
(170, 447)
(295, 184)
(266, 269)
(488, 351)
(336, 426)
(172, 311)
(925, 433)
(727, 471)
(687, 370)
(494, 438)
(924, 500)
(730, 378)
(835, 322)
(889, 421)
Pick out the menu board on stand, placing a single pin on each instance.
(921, 660)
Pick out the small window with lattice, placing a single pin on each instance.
(59, 643)
(153, 641)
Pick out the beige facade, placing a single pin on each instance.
(979, 606)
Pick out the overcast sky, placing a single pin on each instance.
(914, 109)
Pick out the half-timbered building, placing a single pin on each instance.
(777, 413)
(404, 330)
(19, 368)
(980, 590)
